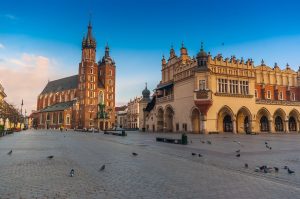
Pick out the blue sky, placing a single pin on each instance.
(47, 35)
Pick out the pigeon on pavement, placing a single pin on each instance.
(102, 168)
(72, 172)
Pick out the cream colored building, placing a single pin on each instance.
(133, 113)
(214, 94)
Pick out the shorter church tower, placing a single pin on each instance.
(107, 80)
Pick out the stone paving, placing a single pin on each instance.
(160, 170)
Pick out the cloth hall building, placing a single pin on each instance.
(214, 94)
(75, 101)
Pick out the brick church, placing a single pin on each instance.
(82, 101)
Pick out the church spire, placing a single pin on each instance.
(106, 50)
(89, 41)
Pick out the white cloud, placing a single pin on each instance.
(10, 16)
(2, 46)
(24, 77)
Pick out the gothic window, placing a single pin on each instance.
(101, 98)
(222, 85)
(268, 94)
(280, 95)
(202, 84)
(255, 93)
(92, 71)
(233, 86)
(110, 73)
(293, 98)
(244, 87)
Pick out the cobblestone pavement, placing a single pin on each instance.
(160, 170)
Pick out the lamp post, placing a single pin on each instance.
(21, 114)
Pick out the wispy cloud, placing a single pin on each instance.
(25, 76)
(2, 46)
(10, 16)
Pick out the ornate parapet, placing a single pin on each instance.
(278, 102)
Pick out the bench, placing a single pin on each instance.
(169, 140)
(117, 133)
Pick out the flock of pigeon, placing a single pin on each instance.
(263, 168)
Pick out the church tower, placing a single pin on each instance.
(87, 82)
(107, 79)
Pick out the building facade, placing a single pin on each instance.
(214, 94)
(133, 113)
(121, 116)
(82, 101)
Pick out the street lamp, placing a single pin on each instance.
(21, 114)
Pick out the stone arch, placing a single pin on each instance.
(243, 120)
(293, 120)
(226, 120)
(169, 115)
(263, 120)
(195, 119)
(160, 119)
(279, 118)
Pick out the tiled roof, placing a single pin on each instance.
(66, 83)
(58, 107)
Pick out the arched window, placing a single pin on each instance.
(101, 98)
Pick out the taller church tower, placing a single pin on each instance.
(87, 82)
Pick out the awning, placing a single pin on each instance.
(166, 85)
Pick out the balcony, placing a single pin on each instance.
(166, 98)
(203, 100)
(277, 102)
(202, 95)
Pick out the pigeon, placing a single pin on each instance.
(134, 154)
(266, 143)
(208, 142)
(203, 142)
(72, 173)
(102, 168)
(193, 154)
(199, 155)
(238, 151)
(238, 155)
(246, 165)
(290, 171)
(257, 169)
(50, 157)
(270, 148)
(285, 167)
(266, 170)
(9, 153)
(276, 169)
(263, 167)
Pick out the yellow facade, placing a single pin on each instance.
(211, 94)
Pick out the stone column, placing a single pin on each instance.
(271, 126)
(234, 126)
(286, 126)
(203, 126)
